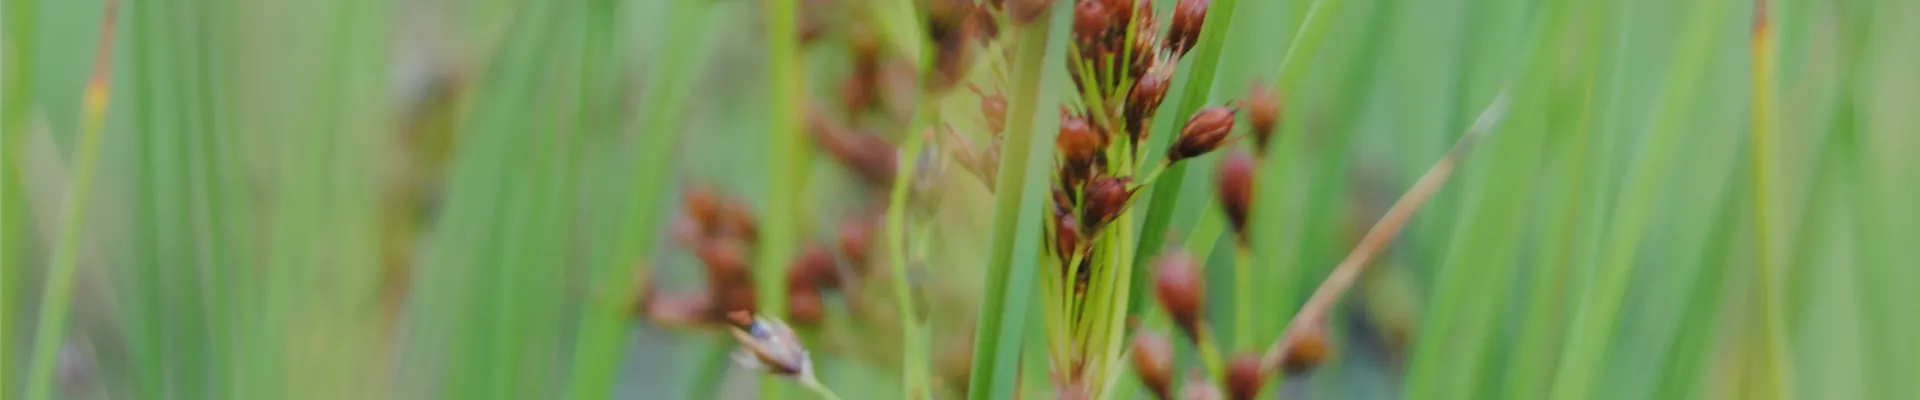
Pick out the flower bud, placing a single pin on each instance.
(1181, 290)
(1263, 114)
(1106, 197)
(1204, 132)
(1153, 361)
(1188, 17)
(1244, 377)
(1307, 352)
(1234, 181)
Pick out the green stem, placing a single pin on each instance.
(915, 358)
(51, 329)
(786, 148)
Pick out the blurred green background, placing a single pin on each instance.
(450, 199)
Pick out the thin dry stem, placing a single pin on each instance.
(1313, 314)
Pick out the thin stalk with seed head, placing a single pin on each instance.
(51, 329)
(1314, 312)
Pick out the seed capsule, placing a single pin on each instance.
(993, 108)
(1066, 236)
(1234, 181)
(1243, 377)
(1090, 22)
(805, 307)
(1188, 17)
(1145, 52)
(1181, 290)
(703, 205)
(869, 157)
(1078, 142)
(1307, 352)
(1146, 98)
(1153, 361)
(1106, 197)
(853, 238)
(1263, 115)
(728, 278)
(815, 268)
(1204, 132)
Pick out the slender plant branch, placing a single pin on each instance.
(51, 329)
(1313, 314)
(1773, 362)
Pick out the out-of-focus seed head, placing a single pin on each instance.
(1106, 197)
(1023, 12)
(1263, 114)
(815, 267)
(1244, 377)
(869, 157)
(1188, 17)
(1307, 352)
(769, 345)
(1234, 181)
(1204, 132)
(1181, 290)
(703, 205)
(806, 307)
(683, 310)
(946, 13)
(737, 221)
(854, 237)
(1153, 361)
(1078, 142)
(1090, 21)
(1198, 388)
(728, 278)
(1121, 9)
(993, 108)
(1147, 95)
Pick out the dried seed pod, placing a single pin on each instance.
(1145, 51)
(1090, 22)
(1244, 377)
(1204, 132)
(1077, 141)
(736, 221)
(1106, 198)
(1307, 352)
(814, 269)
(1188, 17)
(806, 307)
(1147, 95)
(1263, 115)
(728, 278)
(1026, 11)
(1153, 361)
(854, 237)
(1234, 181)
(1181, 290)
(1121, 10)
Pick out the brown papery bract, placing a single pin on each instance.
(1146, 98)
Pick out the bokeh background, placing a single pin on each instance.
(452, 198)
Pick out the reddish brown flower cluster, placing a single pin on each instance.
(721, 234)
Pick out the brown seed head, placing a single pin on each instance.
(1188, 17)
(814, 269)
(728, 278)
(1078, 142)
(1066, 239)
(868, 156)
(1181, 290)
(737, 221)
(805, 307)
(946, 13)
(1234, 181)
(1153, 361)
(1204, 132)
(1307, 352)
(1244, 378)
(703, 205)
(993, 108)
(1090, 21)
(1145, 52)
(1105, 197)
(854, 237)
(1147, 95)
(1263, 114)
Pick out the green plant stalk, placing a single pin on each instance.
(1540, 329)
(786, 143)
(918, 383)
(1017, 206)
(1586, 348)
(1166, 190)
(1773, 354)
(50, 330)
(598, 348)
(1243, 303)
(15, 99)
(1693, 346)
